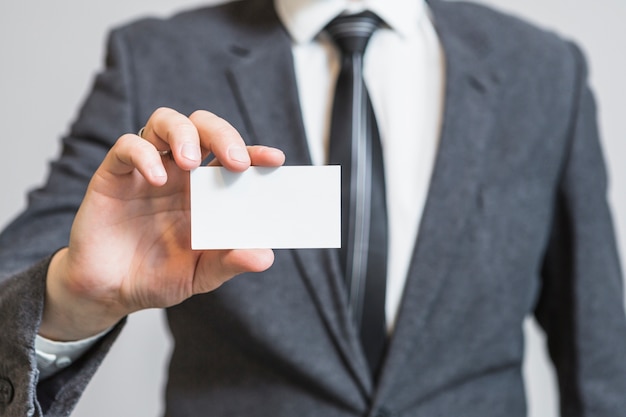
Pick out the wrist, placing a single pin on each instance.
(71, 312)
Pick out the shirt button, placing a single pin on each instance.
(6, 391)
(63, 362)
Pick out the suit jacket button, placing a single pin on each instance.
(6, 391)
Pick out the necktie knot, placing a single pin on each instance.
(351, 33)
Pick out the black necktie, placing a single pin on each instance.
(355, 145)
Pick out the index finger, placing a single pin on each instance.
(169, 129)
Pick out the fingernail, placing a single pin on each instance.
(239, 154)
(275, 151)
(190, 151)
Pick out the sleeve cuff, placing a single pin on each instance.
(54, 356)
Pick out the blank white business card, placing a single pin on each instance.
(279, 208)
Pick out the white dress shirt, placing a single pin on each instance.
(404, 74)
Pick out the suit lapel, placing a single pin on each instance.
(468, 119)
(322, 275)
(263, 81)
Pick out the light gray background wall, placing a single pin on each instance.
(49, 51)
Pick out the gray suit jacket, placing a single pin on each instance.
(516, 222)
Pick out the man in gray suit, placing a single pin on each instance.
(507, 217)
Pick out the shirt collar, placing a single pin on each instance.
(304, 19)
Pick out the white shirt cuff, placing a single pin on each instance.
(54, 356)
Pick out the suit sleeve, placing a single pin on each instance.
(27, 244)
(581, 306)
